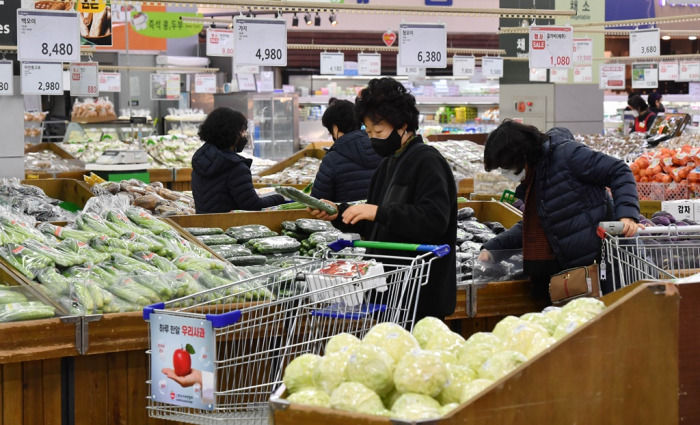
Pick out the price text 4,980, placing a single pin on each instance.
(272, 54)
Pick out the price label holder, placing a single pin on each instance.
(492, 67)
(42, 78)
(83, 79)
(245, 69)
(332, 63)
(583, 74)
(538, 74)
(409, 71)
(48, 36)
(219, 42)
(551, 46)
(109, 82)
(260, 42)
(612, 77)
(205, 83)
(668, 71)
(645, 75)
(369, 63)
(559, 76)
(246, 82)
(689, 71)
(463, 66)
(6, 80)
(645, 42)
(583, 50)
(423, 45)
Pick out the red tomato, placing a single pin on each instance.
(182, 362)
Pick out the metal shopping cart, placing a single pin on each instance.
(216, 356)
(670, 252)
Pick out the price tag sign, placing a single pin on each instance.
(6, 80)
(219, 42)
(583, 74)
(668, 71)
(492, 67)
(48, 36)
(246, 69)
(332, 63)
(83, 79)
(583, 50)
(423, 45)
(551, 46)
(538, 74)
(612, 77)
(260, 42)
(165, 86)
(645, 75)
(646, 42)
(690, 71)
(369, 63)
(246, 82)
(406, 70)
(205, 83)
(109, 82)
(463, 66)
(558, 75)
(42, 78)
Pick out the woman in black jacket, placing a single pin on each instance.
(347, 168)
(412, 195)
(221, 179)
(644, 117)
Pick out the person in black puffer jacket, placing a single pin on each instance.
(221, 179)
(348, 166)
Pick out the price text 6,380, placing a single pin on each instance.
(426, 57)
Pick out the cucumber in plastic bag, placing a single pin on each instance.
(289, 226)
(210, 240)
(31, 310)
(203, 231)
(234, 250)
(301, 197)
(310, 226)
(276, 244)
(251, 231)
(322, 238)
(248, 260)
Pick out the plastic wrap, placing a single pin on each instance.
(298, 374)
(310, 226)
(25, 260)
(372, 367)
(234, 250)
(426, 328)
(275, 244)
(354, 397)
(145, 220)
(421, 372)
(191, 262)
(128, 265)
(210, 240)
(111, 245)
(203, 231)
(253, 231)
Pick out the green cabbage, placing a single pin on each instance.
(505, 325)
(446, 341)
(299, 373)
(448, 408)
(521, 337)
(474, 355)
(570, 322)
(373, 367)
(355, 397)
(473, 388)
(413, 407)
(329, 372)
(391, 398)
(552, 312)
(448, 359)
(459, 376)
(501, 364)
(420, 372)
(542, 320)
(311, 397)
(484, 337)
(539, 346)
(394, 339)
(589, 305)
(426, 328)
(342, 342)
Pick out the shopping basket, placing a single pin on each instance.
(232, 343)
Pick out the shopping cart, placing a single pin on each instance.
(670, 252)
(239, 337)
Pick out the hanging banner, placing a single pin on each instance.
(205, 83)
(219, 42)
(463, 66)
(423, 45)
(164, 24)
(165, 86)
(538, 74)
(551, 46)
(83, 79)
(47, 36)
(332, 63)
(645, 75)
(583, 50)
(492, 67)
(369, 63)
(6, 79)
(42, 78)
(645, 42)
(668, 71)
(260, 42)
(558, 75)
(690, 71)
(8, 22)
(612, 77)
(583, 74)
(109, 82)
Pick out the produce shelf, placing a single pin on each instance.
(286, 163)
(66, 190)
(272, 219)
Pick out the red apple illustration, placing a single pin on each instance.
(182, 362)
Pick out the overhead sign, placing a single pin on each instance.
(423, 45)
(95, 22)
(463, 66)
(8, 22)
(219, 42)
(48, 36)
(645, 42)
(551, 46)
(690, 71)
(332, 63)
(205, 83)
(6, 78)
(164, 24)
(612, 77)
(83, 79)
(42, 78)
(558, 75)
(645, 75)
(538, 74)
(669, 71)
(583, 50)
(389, 38)
(583, 74)
(369, 63)
(260, 42)
(165, 86)
(492, 67)
(109, 82)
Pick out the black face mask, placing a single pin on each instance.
(240, 144)
(389, 146)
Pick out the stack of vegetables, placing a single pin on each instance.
(659, 250)
(669, 166)
(15, 306)
(31, 200)
(154, 197)
(427, 373)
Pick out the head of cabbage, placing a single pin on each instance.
(505, 325)
(446, 341)
(330, 371)
(539, 346)
(552, 312)
(311, 397)
(448, 359)
(446, 409)
(501, 364)
(415, 407)
(523, 336)
(568, 323)
(342, 342)
(484, 337)
(394, 339)
(590, 305)
(474, 355)
(355, 397)
(459, 376)
(299, 373)
(473, 388)
(542, 320)
(426, 328)
(373, 367)
(420, 372)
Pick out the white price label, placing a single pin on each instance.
(538, 74)
(690, 71)
(246, 82)
(583, 74)
(463, 66)
(583, 50)
(369, 63)
(219, 42)
(6, 79)
(558, 75)
(492, 67)
(646, 42)
(612, 77)
(551, 46)
(48, 36)
(205, 83)
(423, 45)
(668, 71)
(645, 75)
(407, 70)
(83, 79)
(332, 63)
(246, 69)
(261, 42)
(109, 82)
(42, 78)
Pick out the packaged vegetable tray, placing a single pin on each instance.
(310, 226)
(250, 231)
(211, 240)
(202, 231)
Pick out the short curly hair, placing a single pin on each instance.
(340, 113)
(385, 99)
(222, 127)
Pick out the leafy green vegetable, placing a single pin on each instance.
(145, 220)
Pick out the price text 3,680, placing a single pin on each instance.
(57, 49)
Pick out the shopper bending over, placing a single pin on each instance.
(221, 179)
(348, 166)
(412, 195)
(644, 118)
(564, 186)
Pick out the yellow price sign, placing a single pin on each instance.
(91, 6)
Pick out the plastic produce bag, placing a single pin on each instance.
(394, 339)
(372, 367)
(191, 262)
(95, 223)
(446, 341)
(342, 342)
(61, 258)
(355, 397)
(311, 397)
(329, 372)
(465, 213)
(415, 407)
(202, 231)
(310, 226)
(25, 311)
(473, 388)
(252, 231)
(426, 328)
(459, 376)
(234, 250)
(128, 264)
(216, 240)
(420, 372)
(66, 232)
(144, 219)
(501, 364)
(25, 260)
(275, 245)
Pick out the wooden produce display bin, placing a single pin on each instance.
(67, 190)
(621, 367)
(272, 219)
(183, 180)
(465, 188)
(61, 153)
(319, 145)
(648, 208)
(163, 175)
(286, 163)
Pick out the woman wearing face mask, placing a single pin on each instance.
(654, 101)
(563, 185)
(412, 195)
(347, 168)
(221, 179)
(644, 118)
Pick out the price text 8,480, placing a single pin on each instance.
(57, 49)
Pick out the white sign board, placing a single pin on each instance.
(83, 79)
(423, 45)
(583, 74)
(205, 83)
(583, 50)
(249, 69)
(109, 82)
(538, 74)
(558, 75)
(690, 71)
(463, 66)
(369, 63)
(219, 42)
(668, 71)
(260, 42)
(612, 77)
(551, 46)
(6, 79)
(645, 75)
(246, 82)
(48, 36)
(42, 78)
(645, 42)
(165, 86)
(492, 67)
(332, 63)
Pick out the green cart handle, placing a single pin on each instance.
(438, 250)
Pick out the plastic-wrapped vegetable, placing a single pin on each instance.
(289, 226)
(155, 260)
(252, 231)
(298, 374)
(144, 219)
(465, 213)
(495, 227)
(111, 245)
(135, 289)
(95, 223)
(155, 283)
(247, 260)
(128, 264)
(372, 367)
(25, 311)
(25, 260)
(16, 231)
(142, 240)
(203, 231)
(185, 246)
(310, 225)
(61, 258)
(420, 372)
(355, 397)
(83, 251)
(191, 262)
(8, 296)
(234, 250)
(51, 278)
(501, 364)
(66, 232)
(301, 197)
(276, 244)
(122, 223)
(184, 284)
(216, 240)
(81, 293)
(426, 328)
(323, 238)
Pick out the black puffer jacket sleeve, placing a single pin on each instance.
(325, 183)
(240, 184)
(510, 239)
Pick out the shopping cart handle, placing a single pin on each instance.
(149, 309)
(437, 250)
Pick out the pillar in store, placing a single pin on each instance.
(12, 138)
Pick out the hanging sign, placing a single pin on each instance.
(164, 24)
(645, 42)
(389, 37)
(690, 71)
(558, 75)
(645, 75)
(583, 74)
(332, 63)
(551, 46)
(612, 77)
(492, 67)
(463, 66)
(6, 78)
(8, 22)
(165, 86)
(423, 45)
(538, 74)
(109, 82)
(668, 71)
(95, 22)
(219, 42)
(83, 79)
(260, 42)
(205, 83)
(246, 82)
(583, 50)
(369, 63)
(42, 78)
(246, 69)
(47, 36)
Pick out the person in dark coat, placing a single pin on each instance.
(654, 101)
(412, 195)
(564, 185)
(221, 179)
(644, 117)
(347, 168)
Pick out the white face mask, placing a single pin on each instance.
(634, 113)
(510, 175)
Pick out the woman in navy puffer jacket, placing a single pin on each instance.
(347, 168)
(564, 187)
